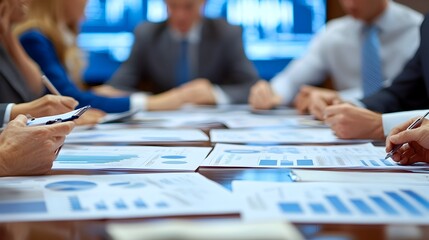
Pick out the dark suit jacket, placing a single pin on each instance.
(13, 88)
(221, 59)
(410, 90)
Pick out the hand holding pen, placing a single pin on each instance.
(409, 142)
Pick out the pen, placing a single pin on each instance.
(416, 123)
(50, 86)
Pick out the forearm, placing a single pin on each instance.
(25, 64)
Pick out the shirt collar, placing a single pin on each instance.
(386, 20)
(193, 36)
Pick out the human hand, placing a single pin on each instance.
(199, 91)
(169, 100)
(351, 122)
(416, 143)
(45, 106)
(262, 96)
(109, 91)
(30, 150)
(314, 100)
(91, 117)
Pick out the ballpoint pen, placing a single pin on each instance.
(50, 86)
(416, 123)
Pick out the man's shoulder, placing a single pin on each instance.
(404, 14)
(220, 27)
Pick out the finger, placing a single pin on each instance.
(406, 136)
(331, 111)
(68, 102)
(59, 129)
(20, 120)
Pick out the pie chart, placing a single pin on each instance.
(68, 186)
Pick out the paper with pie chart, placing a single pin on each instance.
(338, 156)
(67, 197)
(131, 157)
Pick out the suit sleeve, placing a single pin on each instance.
(240, 73)
(408, 90)
(130, 74)
(3, 107)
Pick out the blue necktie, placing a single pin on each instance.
(183, 64)
(372, 74)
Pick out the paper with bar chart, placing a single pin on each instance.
(354, 203)
(339, 156)
(131, 157)
(137, 135)
(278, 136)
(65, 197)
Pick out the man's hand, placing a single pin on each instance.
(262, 96)
(350, 122)
(109, 91)
(314, 100)
(91, 117)
(45, 106)
(199, 91)
(169, 100)
(416, 143)
(30, 150)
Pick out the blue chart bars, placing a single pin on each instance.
(341, 202)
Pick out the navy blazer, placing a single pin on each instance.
(221, 59)
(410, 89)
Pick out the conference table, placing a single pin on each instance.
(96, 229)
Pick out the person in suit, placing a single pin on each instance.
(384, 109)
(30, 150)
(186, 59)
(377, 30)
(20, 83)
(416, 143)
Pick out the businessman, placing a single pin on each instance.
(186, 59)
(361, 52)
(409, 91)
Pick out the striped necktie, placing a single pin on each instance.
(183, 64)
(372, 74)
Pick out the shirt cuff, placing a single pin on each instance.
(221, 97)
(391, 120)
(138, 102)
(7, 114)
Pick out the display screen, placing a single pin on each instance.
(273, 30)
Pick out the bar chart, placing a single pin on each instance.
(336, 202)
(113, 196)
(288, 156)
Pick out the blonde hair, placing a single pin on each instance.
(45, 16)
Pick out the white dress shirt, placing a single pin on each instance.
(392, 120)
(336, 52)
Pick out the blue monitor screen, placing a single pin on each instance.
(274, 31)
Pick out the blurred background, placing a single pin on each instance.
(274, 31)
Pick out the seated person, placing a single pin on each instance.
(186, 59)
(376, 30)
(409, 91)
(30, 150)
(416, 143)
(49, 37)
(20, 79)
